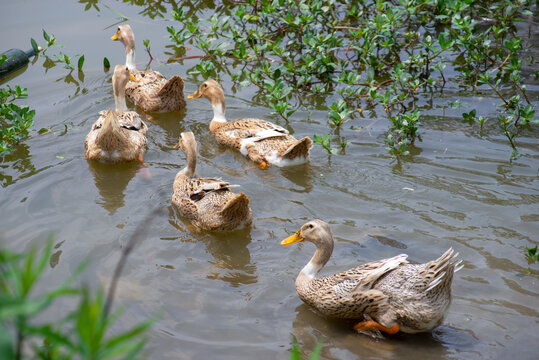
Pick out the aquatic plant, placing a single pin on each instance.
(383, 54)
(532, 255)
(15, 120)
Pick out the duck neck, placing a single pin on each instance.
(191, 155)
(320, 258)
(119, 99)
(130, 57)
(218, 112)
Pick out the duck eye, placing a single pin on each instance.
(205, 85)
(118, 29)
(310, 226)
(142, 74)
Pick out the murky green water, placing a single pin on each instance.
(231, 295)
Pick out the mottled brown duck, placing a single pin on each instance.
(207, 202)
(389, 295)
(260, 140)
(150, 90)
(118, 135)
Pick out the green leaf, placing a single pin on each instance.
(106, 64)
(316, 352)
(81, 62)
(6, 344)
(34, 45)
(46, 36)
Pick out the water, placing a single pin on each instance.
(231, 295)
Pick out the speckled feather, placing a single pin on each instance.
(125, 143)
(151, 90)
(260, 140)
(154, 93)
(389, 291)
(208, 202)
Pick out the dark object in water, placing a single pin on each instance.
(16, 59)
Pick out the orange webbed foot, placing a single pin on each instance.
(263, 165)
(372, 325)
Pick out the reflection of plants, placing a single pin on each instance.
(388, 54)
(14, 120)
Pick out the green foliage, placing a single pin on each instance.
(147, 46)
(15, 120)
(82, 333)
(61, 57)
(295, 351)
(325, 142)
(387, 54)
(106, 64)
(532, 254)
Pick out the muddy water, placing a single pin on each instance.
(231, 295)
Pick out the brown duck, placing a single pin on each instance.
(149, 89)
(390, 295)
(260, 140)
(207, 202)
(118, 135)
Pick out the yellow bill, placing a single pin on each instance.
(194, 95)
(292, 239)
(114, 37)
(132, 78)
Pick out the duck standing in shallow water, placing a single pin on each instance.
(395, 295)
(149, 89)
(118, 135)
(260, 140)
(207, 202)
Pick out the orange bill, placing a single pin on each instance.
(194, 95)
(292, 239)
(114, 37)
(132, 78)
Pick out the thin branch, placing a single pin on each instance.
(186, 57)
(140, 231)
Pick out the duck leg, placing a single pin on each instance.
(371, 325)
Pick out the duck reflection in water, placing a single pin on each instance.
(232, 259)
(111, 181)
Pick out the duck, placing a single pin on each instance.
(149, 89)
(260, 140)
(207, 202)
(388, 295)
(118, 135)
